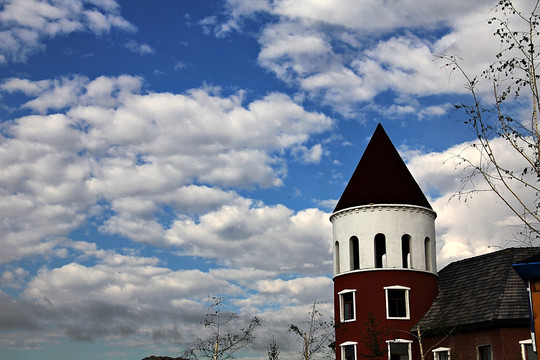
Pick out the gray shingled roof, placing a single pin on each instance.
(480, 292)
(381, 177)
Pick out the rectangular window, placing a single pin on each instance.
(347, 307)
(397, 302)
(348, 350)
(399, 349)
(484, 352)
(441, 353)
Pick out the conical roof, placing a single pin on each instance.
(381, 177)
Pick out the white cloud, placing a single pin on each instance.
(25, 86)
(141, 49)
(295, 287)
(311, 155)
(121, 296)
(133, 297)
(371, 16)
(290, 50)
(14, 278)
(242, 234)
(332, 50)
(26, 24)
(127, 285)
(141, 152)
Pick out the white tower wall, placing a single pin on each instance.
(393, 221)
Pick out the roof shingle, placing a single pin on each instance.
(480, 292)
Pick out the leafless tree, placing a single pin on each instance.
(223, 339)
(513, 76)
(316, 335)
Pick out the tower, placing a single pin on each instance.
(385, 275)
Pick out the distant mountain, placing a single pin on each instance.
(153, 357)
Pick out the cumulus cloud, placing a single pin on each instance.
(333, 51)
(137, 299)
(26, 24)
(243, 234)
(109, 150)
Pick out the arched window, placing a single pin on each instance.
(380, 251)
(427, 254)
(336, 254)
(406, 251)
(355, 254)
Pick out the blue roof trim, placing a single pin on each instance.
(527, 270)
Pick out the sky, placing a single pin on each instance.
(153, 153)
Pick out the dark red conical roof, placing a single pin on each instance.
(381, 177)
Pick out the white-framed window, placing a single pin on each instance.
(397, 302)
(527, 350)
(348, 350)
(399, 349)
(347, 301)
(483, 352)
(441, 353)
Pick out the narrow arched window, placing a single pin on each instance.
(380, 250)
(336, 254)
(427, 254)
(355, 253)
(406, 251)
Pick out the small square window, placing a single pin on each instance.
(347, 306)
(484, 352)
(397, 302)
(441, 354)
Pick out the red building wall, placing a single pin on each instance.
(504, 343)
(370, 298)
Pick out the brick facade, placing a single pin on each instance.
(504, 343)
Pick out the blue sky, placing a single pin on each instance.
(155, 152)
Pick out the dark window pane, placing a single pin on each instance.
(397, 306)
(348, 306)
(531, 355)
(443, 355)
(399, 351)
(484, 352)
(380, 250)
(355, 253)
(349, 352)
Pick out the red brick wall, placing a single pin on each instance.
(504, 343)
(370, 296)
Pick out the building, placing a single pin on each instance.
(385, 275)
(481, 311)
(387, 292)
